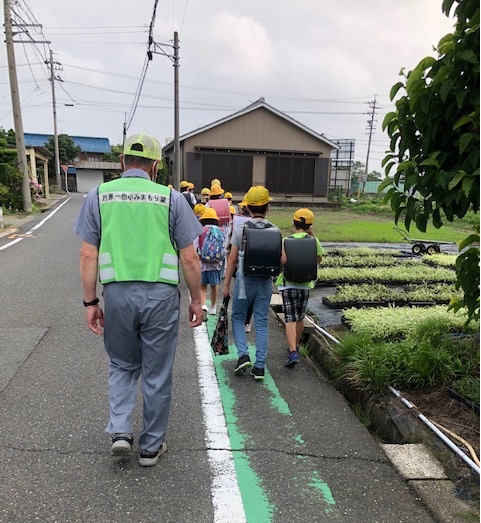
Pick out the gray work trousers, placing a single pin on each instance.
(141, 322)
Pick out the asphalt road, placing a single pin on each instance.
(287, 450)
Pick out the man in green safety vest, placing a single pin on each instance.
(134, 232)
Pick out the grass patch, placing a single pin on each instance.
(348, 226)
(468, 387)
(362, 415)
(424, 354)
(304, 349)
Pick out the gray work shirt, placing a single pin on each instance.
(183, 224)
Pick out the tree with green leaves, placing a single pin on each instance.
(7, 138)
(374, 176)
(434, 146)
(113, 155)
(67, 150)
(357, 171)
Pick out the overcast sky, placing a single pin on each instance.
(321, 62)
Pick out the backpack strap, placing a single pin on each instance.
(202, 236)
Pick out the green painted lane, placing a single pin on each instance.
(258, 506)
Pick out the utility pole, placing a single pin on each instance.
(58, 179)
(157, 48)
(17, 115)
(371, 125)
(176, 112)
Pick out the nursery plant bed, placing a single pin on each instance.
(398, 303)
(337, 305)
(361, 304)
(421, 303)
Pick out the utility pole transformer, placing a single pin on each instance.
(17, 115)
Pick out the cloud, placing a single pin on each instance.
(235, 47)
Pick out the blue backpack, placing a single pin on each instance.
(212, 247)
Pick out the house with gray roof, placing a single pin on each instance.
(88, 169)
(258, 145)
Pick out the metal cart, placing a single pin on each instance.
(422, 246)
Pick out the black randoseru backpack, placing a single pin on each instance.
(262, 246)
(301, 265)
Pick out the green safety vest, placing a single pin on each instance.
(135, 243)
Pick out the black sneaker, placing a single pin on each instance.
(243, 363)
(121, 444)
(148, 459)
(257, 373)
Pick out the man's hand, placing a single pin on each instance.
(196, 315)
(94, 317)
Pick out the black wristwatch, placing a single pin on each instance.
(89, 303)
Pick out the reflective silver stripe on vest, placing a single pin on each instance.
(133, 196)
(107, 274)
(170, 259)
(105, 258)
(169, 274)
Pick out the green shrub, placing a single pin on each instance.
(468, 387)
(10, 187)
(428, 355)
(8, 156)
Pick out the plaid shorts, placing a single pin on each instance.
(295, 304)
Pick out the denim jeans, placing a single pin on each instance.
(258, 292)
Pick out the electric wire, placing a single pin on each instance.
(183, 17)
(130, 117)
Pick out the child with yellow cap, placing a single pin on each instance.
(204, 195)
(258, 289)
(199, 209)
(212, 255)
(295, 294)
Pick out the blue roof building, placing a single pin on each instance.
(87, 144)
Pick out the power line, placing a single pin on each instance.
(148, 57)
(183, 17)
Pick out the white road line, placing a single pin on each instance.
(39, 224)
(226, 497)
(11, 243)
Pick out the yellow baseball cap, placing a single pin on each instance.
(304, 216)
(232, 209)
(199, 209)
(209, 213)
(256, 196)
(190, 185)
(184, 183)
(205, 191)
(144, 146)
(216, 189)
(228, 195)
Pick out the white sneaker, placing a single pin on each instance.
(248, 327)
(148, 459)
(212, 310)
(121, 444)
